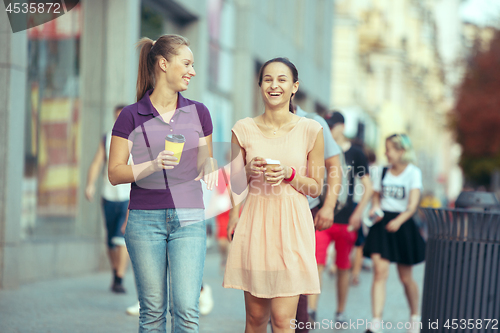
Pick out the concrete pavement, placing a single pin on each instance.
(85, 305)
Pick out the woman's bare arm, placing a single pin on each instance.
(94, 170)
(239, 176)
(206, 164)
(119, 172)
(312, 184)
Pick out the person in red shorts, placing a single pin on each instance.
(220, 205)
(344, 230)
(223, 203)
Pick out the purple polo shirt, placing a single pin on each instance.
(143, 126)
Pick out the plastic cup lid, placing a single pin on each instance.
(270, 161)
(177, 138)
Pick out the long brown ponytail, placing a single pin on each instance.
(166, 46)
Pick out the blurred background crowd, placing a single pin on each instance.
(428, 68)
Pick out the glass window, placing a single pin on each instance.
(214, 29)
(319, 32)
(52, 127)
(221, 16)
(300, 11)
(151, 22)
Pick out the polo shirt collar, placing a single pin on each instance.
(145, 107)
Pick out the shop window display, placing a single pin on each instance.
(52, 127)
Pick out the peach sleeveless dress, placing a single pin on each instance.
(273, 250)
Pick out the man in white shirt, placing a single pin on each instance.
(324, 215)
(115, 203)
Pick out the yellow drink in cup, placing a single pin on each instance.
(175, 143)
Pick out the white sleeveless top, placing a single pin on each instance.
(119, 192)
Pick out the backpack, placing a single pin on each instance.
(344, 192)
(343, 196)
(384, 172)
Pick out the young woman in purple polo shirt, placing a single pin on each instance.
(165, 233)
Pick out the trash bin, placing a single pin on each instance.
(462, 271)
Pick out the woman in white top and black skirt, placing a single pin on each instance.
(396, 237)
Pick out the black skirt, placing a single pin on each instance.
(405, 246)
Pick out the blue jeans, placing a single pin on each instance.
(168, 260)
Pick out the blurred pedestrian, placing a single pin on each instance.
(396, 238)
(114, 204)
(322, 212)
(165, 233)
(219, 206)
(133, 310)
(271, 256)
(359, 263)
(344, 230)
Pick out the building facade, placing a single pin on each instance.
(393, 71)
(64, 79)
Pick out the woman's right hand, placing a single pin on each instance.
(231, 225)
(165, 160)
(256, 166)
(372, 213)
(89, 192)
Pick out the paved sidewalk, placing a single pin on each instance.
(85, 304)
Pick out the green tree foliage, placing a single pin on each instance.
(476, 116)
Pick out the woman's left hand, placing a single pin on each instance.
(276, 175)
(231, 226)
(393, 226)
(209, 173)
(355, 220)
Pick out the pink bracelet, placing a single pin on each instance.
(291, 177)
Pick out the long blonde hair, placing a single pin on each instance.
(402, 142)
(166, 46)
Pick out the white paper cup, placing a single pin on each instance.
(269, 165)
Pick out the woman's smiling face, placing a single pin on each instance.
(277, 84)
(180, 69)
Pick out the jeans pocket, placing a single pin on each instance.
(145, 223)
(189, 216)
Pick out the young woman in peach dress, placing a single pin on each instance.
(271, 256)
